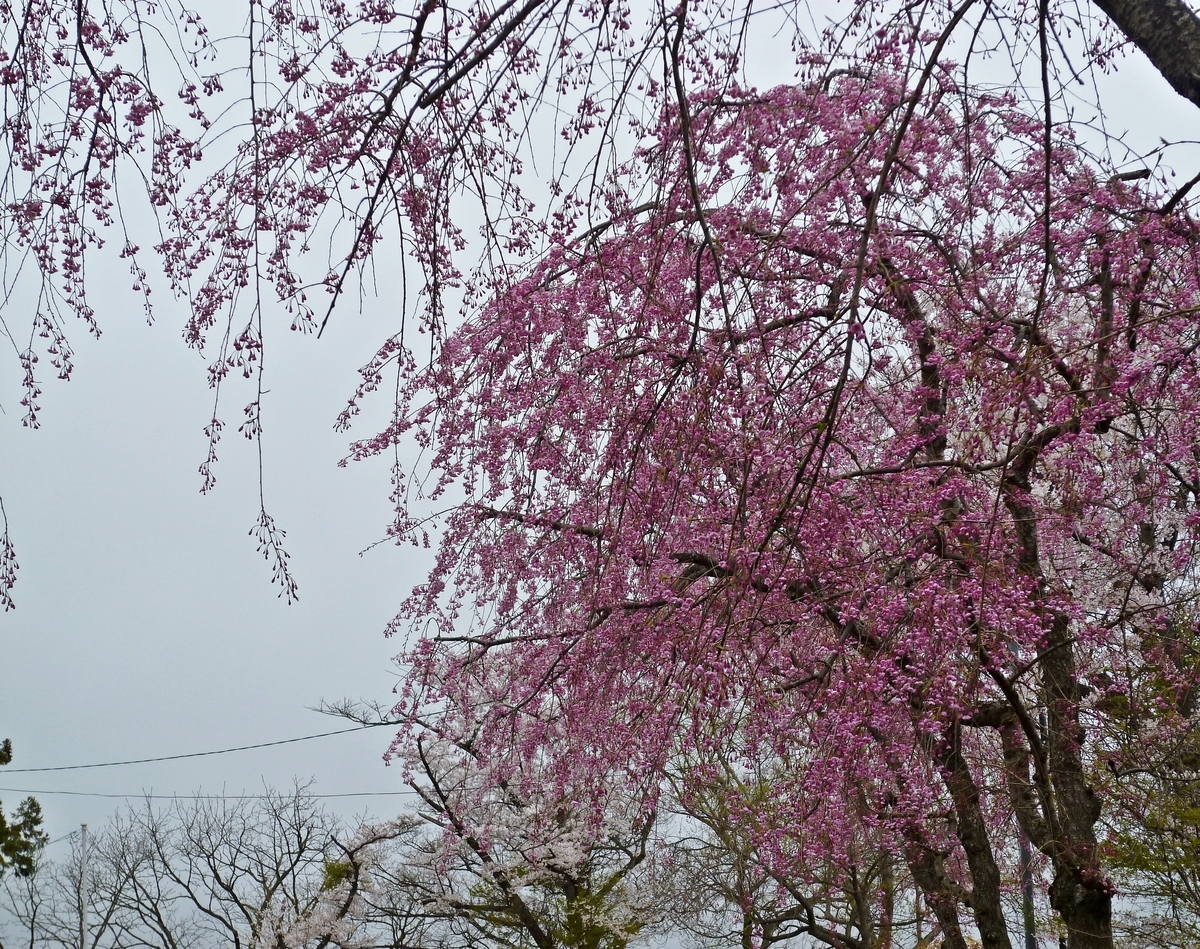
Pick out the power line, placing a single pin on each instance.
(202, 797)
(194, 754)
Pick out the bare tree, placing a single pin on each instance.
(280, 872)
(24, 903)
(273, 871)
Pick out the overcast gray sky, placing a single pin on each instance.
(146, 623)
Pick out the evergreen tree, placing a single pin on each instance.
(22, 836)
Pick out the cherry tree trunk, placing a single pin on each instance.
(1081, 893)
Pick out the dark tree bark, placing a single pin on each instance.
(1080, 892)
(931, 879)
(1168, 32)
(972, 833)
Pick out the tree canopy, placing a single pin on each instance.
(824, 451)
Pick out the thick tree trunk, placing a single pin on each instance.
(972, 833)
(930, 877)
(1086, 910)
(1168, 32)
(1081, 893)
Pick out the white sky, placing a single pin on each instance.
(146, 624)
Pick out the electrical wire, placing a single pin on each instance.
(204, 797)
(194, 754)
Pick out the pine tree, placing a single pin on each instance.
(21, 837)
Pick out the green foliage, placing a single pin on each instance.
(336, 873)
(1152, 811)
(575, 911)
(20, 838)
(1153, 848)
